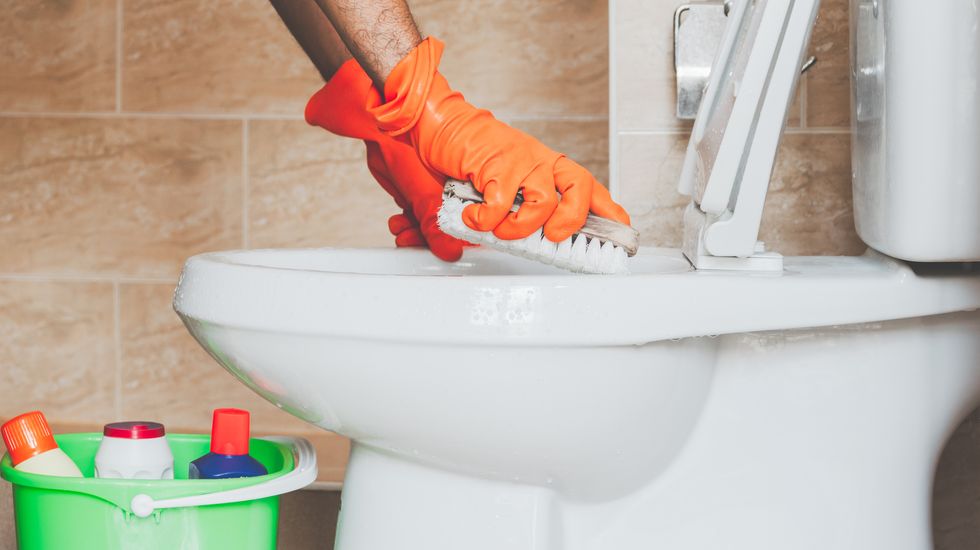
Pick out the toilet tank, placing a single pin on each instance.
(916, 153)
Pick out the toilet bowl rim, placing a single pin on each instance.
(562, 310)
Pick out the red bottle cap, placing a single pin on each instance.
(134, 430)
(26, 436)
(229, 432)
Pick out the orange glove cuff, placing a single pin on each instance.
(407, 88)
(341, 105)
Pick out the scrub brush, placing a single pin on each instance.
(601, 246)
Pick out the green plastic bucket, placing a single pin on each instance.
(105, 514)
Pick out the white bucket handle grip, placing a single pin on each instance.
(304, 473)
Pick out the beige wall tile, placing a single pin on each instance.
(808, 208)
(58, 56)
(56, 351)
(308, 187)
(585, 142)
(547, 57)
(644, 65)
(222, 56)
(332, 452)
(116, 196)
(828, 92)
(650, 166)
(168, 377)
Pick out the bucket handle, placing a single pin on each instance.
(303, 474)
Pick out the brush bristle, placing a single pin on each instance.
(578, 253)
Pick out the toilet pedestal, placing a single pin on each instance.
(394, 503)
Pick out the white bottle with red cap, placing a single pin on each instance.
(32, 447)
(134, 450)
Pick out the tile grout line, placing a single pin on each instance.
(55, 278)
(787, 130)
(119, 113)
(820, 130)
(551, 118)
(612, 154)
(655, 132)
(119, 54)
(117, 340)
(148, 115)
(245, 183)
(804, 96)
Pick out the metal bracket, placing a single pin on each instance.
(698, 29)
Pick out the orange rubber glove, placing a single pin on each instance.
(466, 143)
(341, 107)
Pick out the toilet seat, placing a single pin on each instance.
(497, 299)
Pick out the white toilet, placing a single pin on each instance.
(756, 402)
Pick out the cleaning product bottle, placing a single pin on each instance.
(134, 450)
(32, 447)
(229, 456)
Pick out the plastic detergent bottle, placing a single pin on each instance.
(134, 450)
(229, 456)
(32, 447)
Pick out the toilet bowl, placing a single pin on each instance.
(720, 396)
(498, 403)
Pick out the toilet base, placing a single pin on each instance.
(399, 504)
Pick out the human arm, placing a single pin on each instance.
(379, 33)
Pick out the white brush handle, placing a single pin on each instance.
(604, 229)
